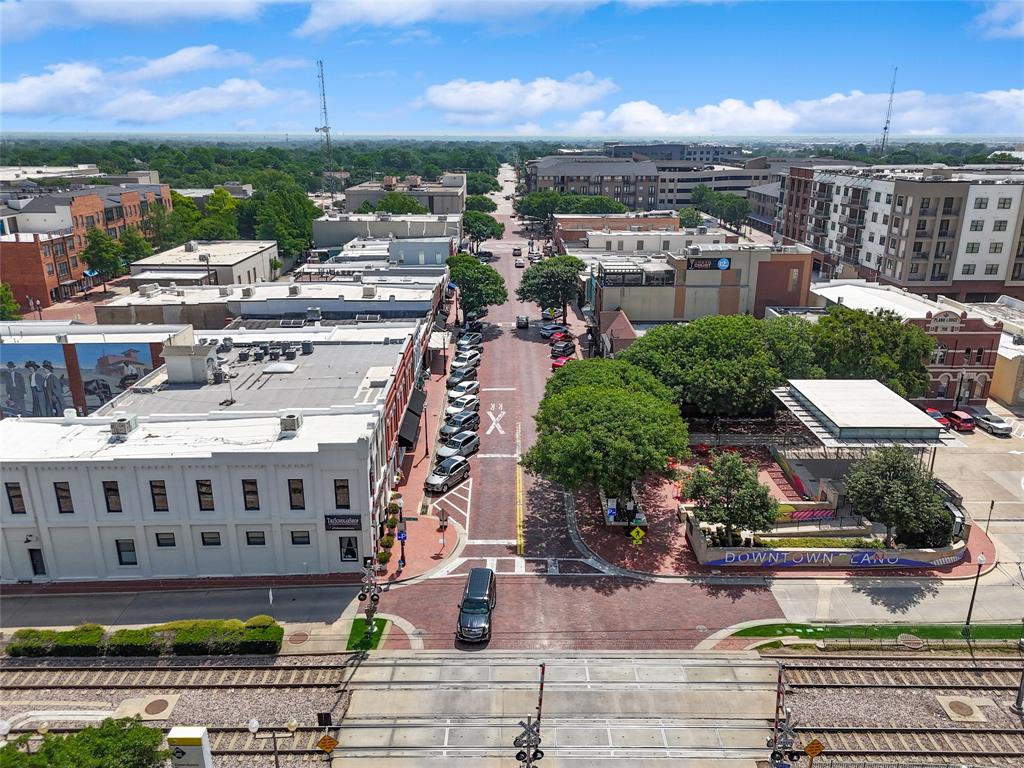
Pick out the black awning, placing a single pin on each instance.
(416, 401)
(407, 431)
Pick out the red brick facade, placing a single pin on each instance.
(960, 370)
(43, 267)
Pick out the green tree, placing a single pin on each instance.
(552, 282)
(158, 227)
(275, 265)
(479, 284)
(791, 343)
(120, 743)
(733, 209)
(585, 204)
(853, 344)
(690, 218)
(365, 207)
(891, 487)
(728, 493)
(481, 183)
(134, 246)
(220, 220)
(481, 203)
(480, 226)
(605, 373)
(103, 254)
(396, 202)
(9, 307)
(538, 205)
(609, 437)
(183, 218)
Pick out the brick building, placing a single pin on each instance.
(42, 267)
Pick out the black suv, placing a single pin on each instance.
(460, 422)
(478, 601)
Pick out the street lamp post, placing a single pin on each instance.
(1018, 706)
(291, 725)
(966, 631)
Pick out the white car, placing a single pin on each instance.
(993, 424)
(467, 358)
(464, 388)
(464, 403)
(469, 341)
(520, 263)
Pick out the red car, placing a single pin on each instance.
(560, 336)
(936, 414)
(961, 421)
(559, 362)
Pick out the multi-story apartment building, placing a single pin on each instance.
(764, 203)
(676, 181)
(65, 218)
(694, 153)
(794, 204)
(932, 230)
(634, 183)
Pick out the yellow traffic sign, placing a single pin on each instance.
(637, 535)
(327, 743)
(814, 749)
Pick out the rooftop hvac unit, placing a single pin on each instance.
(294, 289)
(248, 292)
(413, 181)
(191, 246)
(179, 291)
(369, 291)
(694, 250)
(313, 314)
(1018, 338)
(123, 425)
(702, 230)
(291, 422)
(225, 290)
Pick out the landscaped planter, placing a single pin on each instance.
(766, 557)
(638, 518)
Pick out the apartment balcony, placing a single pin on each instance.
(951, 211)
(920, 255)
(939, 276)
(817, 230)
(823, 195)
(849, 240)
(851, 201)
(852, 221)
(927, 211)
(922, 234)
(947, 234)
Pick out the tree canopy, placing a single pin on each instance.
(9, 307)
(120, 743)
(480, 226)
(552, 282)
(540, 205)
(393, 202)
(891, 487)
(479, 284)
(605, 373)
(102, 253)
(134, 246)
(607, 436)
(690, 218)
(220, 218)
(728, 493)
(480, 183)
(481, 203)
(853, 344)
(725, 206)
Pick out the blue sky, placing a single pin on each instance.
(571, 67)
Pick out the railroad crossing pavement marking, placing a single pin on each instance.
(495, 413)
(457, 500)
(520, 547)
(501, 565)
(506, 542)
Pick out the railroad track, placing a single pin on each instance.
(976, 677)
(994, 746)
(114, 677)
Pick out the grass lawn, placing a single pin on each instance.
(886, 631)
(357, 639)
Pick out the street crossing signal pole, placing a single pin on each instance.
(371, 590)
(529, 740)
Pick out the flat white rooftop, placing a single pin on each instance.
(861, 403)
(78, 333)
(222, 253)
(402, 288)
(872, 296)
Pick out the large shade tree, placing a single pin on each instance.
(102, 253)
(481, 203)
(479, 284)
(480, 183)
(480, 226)
(552, 282)
(690, 218)
(134, 246)
(727, 492)
(605, 373)
(393, 202)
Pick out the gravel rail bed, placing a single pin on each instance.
(291, 660)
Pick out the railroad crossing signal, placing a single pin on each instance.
(528, 741)
(327, 743)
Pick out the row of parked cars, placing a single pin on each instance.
(962, 421)
(458, 438)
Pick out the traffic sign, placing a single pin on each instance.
(814, 749)
(327, 743)
(637, 535)
(402, 536)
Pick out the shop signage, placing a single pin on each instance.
(344, 522)
(706, 263)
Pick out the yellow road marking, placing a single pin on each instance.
(519, 494)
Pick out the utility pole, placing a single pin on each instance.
(324, 129)
(888, 114)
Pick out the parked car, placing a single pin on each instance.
(563, 349)
(471, 316)
(961, 421)
(520, 263)
(461, 444)
(464, 403)
(469, 341)
(535, 257)
(559, 362)
(550, 329)
(467, 358)
(522, 321)
(460, 422)
(446, 474)
(558, 336)
(463, 388)
(517, 251)
(477, 606)
(936, 414)
(476, 326)
(994, 424)
(459, 375)
(550, 313)
(485, 254)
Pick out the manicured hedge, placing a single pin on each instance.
(260, 634)
(822, 542)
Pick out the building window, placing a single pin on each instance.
(204, 489)
(165, 539)
(1004, 202)
(665, 245)
(296, 495)
(922, 225)
(300, 538)
(15, 498)
(49, 269)
(980, 203)
(995, 247)
(158, 493)
(939, 353)
(900, 201)
(349, 546)
(112, 496)
(918, 246)
(874, 215)
(913, 268)
(878, 197)
(991, 269)
(973, 247)
(341, 495)
(126, 554)
(978, 354)
(251, 495)
(255, 538)
(968, 269)
(210, 538)
(977, 225)
(639, 245)
(64, 503)
(999, 225)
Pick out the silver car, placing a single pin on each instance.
(993, 424)
(464, 403)
(462, 444)
(464, 388)
(466, 359)
(446, 474)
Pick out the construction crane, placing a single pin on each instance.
(324, 129)
(888, 114)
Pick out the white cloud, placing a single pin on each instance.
(528, 129)
(64, 86)
(914, 112)
(480, 102)
(232, 96)
(190, 59)
(1004, 19)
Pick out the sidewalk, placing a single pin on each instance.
(665, 550)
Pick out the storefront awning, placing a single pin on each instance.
(417, 400)
(407, 431)
(439, 340)
(90, 273)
